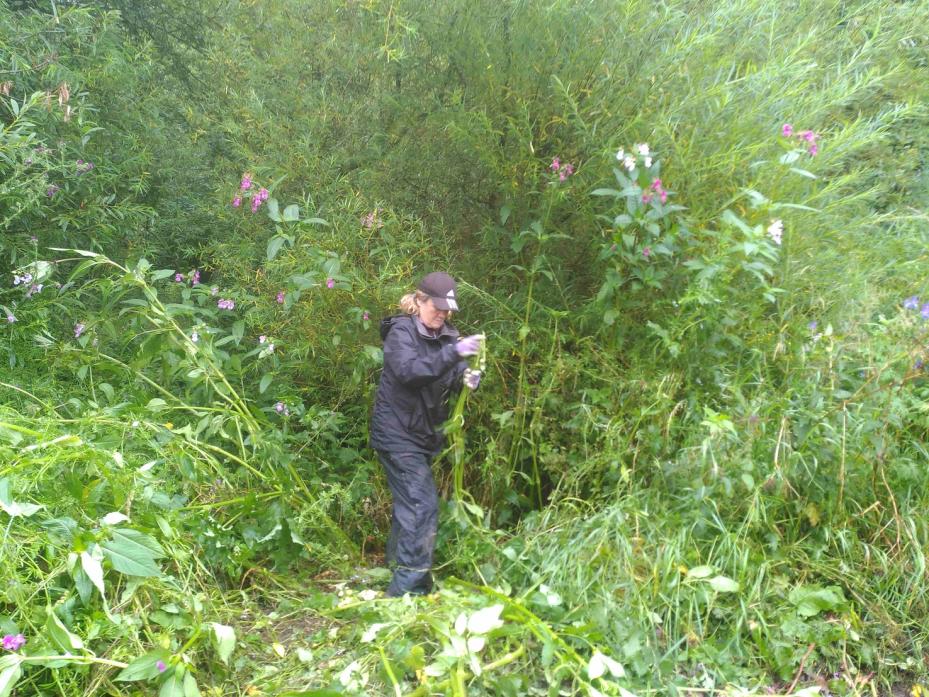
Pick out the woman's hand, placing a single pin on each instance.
(469, 345)
(471, 378)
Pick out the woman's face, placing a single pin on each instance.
(432, 316)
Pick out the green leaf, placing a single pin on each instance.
(811, 600)
(145, 667)
(162, 273)
(274, 246)
(10, 673)
(60, 634)
(90, 562)
(223, 640)
(265, 382)
(700, 572)
(190, 686)
(174, 685)
(724, 584)
(292, 213)
(274, 210)
(238, 330)
(605, 192)
(315, 221)
(133, 553)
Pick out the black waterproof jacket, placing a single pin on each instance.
(421, 372)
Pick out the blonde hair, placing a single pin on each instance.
(410, 302)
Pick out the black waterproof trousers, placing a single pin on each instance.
(414, 521)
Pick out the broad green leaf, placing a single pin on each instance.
(59, 634)
(700, 572)
(599, 664)
(291, 213)
(190, 686)
(223, 640)
(315, 221)
(274, 211)
(605, 192)
(274, 246)
(144, 667)
(132, 552)
(16, 509)
(173, 686)
(811, 600)
(162, 273)
(10, 673)
(485, 620)
(724, 584)
(238, 330)
(91, 563)
(265, 382)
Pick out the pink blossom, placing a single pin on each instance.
(195, 277)
(646, 198)
(214, 290)
(663, 195)
(13, 642)
(256, 203)
(263, 194)
(224, 304)
(262, 339)
(809, 136)
(246, 182)
(280, 297)
(178, 278)
(787, 130)
(813, 150)
(78, 330)
(556, 165)
(237, 201)
(160, 665)
(568, 169)
(365, 316)
(562, 176)
(646, 252)
(656, 185)
(330, 283)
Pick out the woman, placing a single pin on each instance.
(423, 366)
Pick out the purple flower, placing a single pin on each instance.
(330, 283)
(246, 182)
(656, 184)
(79, 329)
(13, 642)
(52, 190)
(281, 408)
(280, 297)
(556, 165)
(237, 201)
(263, 194)
(33, 289)
(812, 325)
(663, 196)
(919, 364)
(646, 198)
(813, 150)
(214, 290)
(10, 317)
(924, 311)
(195, 277)
(256, 203)
(787, 130)
(646, 252)
(262, 339)
(178, 278)
(224, 304)
(568, 169)
(365, 316)
(160, 665)
(911, 303)
(809, 136)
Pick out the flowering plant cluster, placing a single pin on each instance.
(912, 303)
(258, 196)
(193, 276)
(563, 170)
(13, 642)
(805, 138)
(372, 220)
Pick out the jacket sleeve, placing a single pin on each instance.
(412, 367)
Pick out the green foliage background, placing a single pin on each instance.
(697, 457)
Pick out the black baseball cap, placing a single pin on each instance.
(441, 288)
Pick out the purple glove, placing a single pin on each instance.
(471, 378)
(469, 345)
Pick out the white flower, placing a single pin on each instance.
(776, 230)
(194, 337)
(629, 162)
(648, 162)
(621, 154)
(642, 148)
(262, 339)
